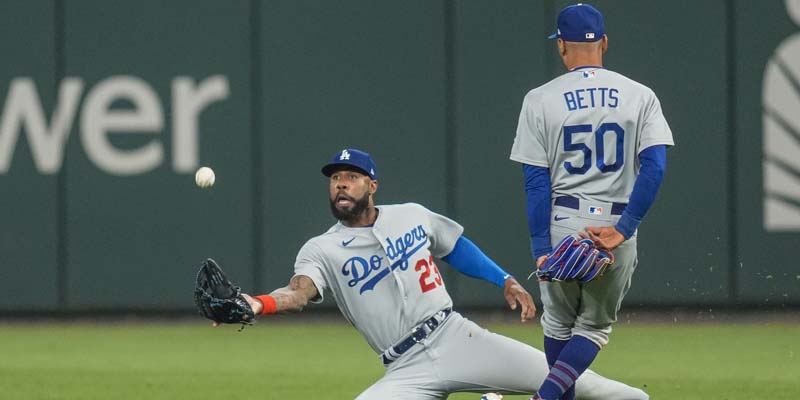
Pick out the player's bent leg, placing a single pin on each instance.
(409, 377)
(593, 386)
(392, 388)
(469, 358)
(472, 359)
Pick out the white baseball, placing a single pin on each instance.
(204, 177)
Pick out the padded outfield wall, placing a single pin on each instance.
(108, 107)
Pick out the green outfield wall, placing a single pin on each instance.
(108, 108)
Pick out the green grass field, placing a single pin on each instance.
(291, 360)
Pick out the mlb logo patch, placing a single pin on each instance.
(589, 74)
(596, 210)
(590, 35)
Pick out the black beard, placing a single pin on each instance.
(360, 206)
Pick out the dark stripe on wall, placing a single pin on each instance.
(62, 270)
(733, 201)
(451, 112)
(451, 144)
(549, 15)
(257, 142)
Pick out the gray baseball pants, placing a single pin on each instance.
(460, 356)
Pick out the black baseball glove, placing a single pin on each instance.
(575, 260)
(220, 300)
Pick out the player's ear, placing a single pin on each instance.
(604, 43)
(562, 48)
(373, 187)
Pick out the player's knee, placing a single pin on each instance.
(558, 333)
(373, 392)
(555, 328)
(598, 337)
(640, 394)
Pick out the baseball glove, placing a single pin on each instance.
(575, 260)
(218, 299)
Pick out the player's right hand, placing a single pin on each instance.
(604, 237)
(540, 261)
(515, 293)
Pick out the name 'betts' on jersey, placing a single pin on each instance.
(588, 126)
(383, 277)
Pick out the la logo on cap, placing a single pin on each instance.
(345, 155)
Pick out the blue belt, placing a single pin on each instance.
(419, 333)
(575, 203)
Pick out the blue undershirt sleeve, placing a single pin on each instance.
(652, 164)
(537, 189)
(468, 259)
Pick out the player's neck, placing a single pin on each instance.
(579, 61)
(366, 218)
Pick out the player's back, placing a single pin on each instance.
(588, 126)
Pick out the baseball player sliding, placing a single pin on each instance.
(593, 147)
(379, 264)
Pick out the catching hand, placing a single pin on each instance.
(574, 260)
(220, 300)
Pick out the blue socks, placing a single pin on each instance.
(568, 359)
(552, 349)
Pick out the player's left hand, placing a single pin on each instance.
(254, 304)
(604, 237)
(218, 299)
(515, 293)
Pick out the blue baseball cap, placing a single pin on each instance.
(580, 23)
(354, 158)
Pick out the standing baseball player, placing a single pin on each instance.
(379, 263)
(593, 147)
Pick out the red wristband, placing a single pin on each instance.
(268, 302)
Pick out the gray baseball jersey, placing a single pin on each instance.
(588, 126)
(383, 277)
(385, 282)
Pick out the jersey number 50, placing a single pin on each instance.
(599, 145)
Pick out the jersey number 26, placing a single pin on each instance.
(599, 145)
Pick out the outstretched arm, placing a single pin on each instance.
(291, 298)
